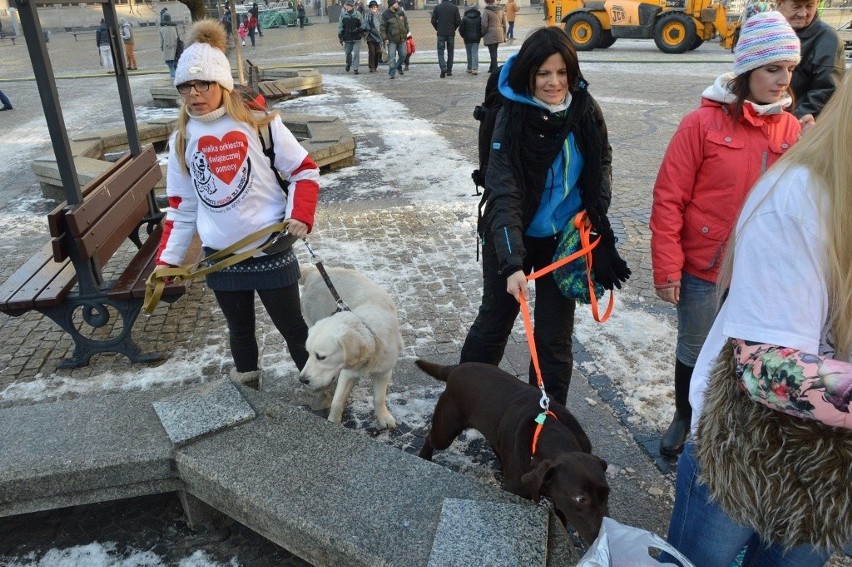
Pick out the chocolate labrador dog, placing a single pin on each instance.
(503, 409)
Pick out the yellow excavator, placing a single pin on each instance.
(676, 26)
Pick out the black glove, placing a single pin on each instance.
(340, 37)
(609, 268)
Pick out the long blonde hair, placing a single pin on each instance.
(235, 106)
(825, 151)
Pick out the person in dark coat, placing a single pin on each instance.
(104, 48)
(255, 11)
(823, 62)
(470, 30)
(550, 140)
(394, 31)
(446, 20)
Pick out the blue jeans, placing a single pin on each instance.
(352, 49)
(696, 312)
(472, 50)
(510, 33)
(447, 42)
(172, 65)
(703, 532)
(395, 50)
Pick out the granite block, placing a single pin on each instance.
(202, 410)
(494, 534)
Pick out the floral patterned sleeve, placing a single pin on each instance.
(796, 383)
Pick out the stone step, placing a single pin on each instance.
(334, 497)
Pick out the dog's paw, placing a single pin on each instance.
(321, 399)
(386, 421)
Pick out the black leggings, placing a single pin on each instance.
(553, 318)
(284, 309)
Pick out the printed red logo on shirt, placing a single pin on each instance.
(226, 155)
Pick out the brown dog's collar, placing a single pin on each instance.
(539, 420)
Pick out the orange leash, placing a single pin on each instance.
(586, 246)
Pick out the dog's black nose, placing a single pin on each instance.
(303, 380)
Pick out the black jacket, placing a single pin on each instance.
(821, 69)
(102, 35)
(446, 18)
(470, 28)
(513, 202)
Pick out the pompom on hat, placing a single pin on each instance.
(766, 38)
(204, 57)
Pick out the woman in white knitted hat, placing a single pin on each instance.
(713, 159)
(222, 186)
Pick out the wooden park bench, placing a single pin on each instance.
(66, 275)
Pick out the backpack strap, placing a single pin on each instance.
(268, 144)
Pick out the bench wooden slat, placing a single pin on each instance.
(56, 217)
(94, 207)
(104, 238)
(131, 284)
(39, 280)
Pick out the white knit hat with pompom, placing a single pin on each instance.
(204, 58)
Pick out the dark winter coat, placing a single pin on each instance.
(350, 27)
(470, 28)
(821, 69)
(394, 27)
(102, 35)
(446, 18)
(526, 141)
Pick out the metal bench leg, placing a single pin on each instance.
(95, 314)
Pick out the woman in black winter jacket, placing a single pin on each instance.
(470, 30)
(550, 158)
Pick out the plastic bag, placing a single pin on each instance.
(618, 545)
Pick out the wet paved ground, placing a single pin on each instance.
(643, 93)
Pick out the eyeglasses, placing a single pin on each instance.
(200, 86)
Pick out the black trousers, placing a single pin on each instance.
(553, 319)
(492, 51)
(285, 310)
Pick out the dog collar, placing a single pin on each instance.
(539, 420)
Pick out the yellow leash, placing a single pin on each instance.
(156, 282)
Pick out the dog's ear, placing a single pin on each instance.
(537, 478)
(604, 465)
(358, 345)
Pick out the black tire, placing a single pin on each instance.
(674, 33)
(584, 30)
(606, 39)
(696, 44)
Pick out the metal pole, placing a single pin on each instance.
(235, 35)
(43, 71)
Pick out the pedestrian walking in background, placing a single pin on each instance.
(7, 104)
(446, 20)
(104, 47)
(255, 11)
(243, 32)
(782, 340)
(372, 22)
(222, 206)
(470, 29)
(394, 31)
(511, 12)
(717, 153)
(127, 36)
(823, 62)
(227, 23)
(350, 30)
(251, 26)
(168, 42)
(300, 14)
(410, 49)
(550, 140)
(493, 30)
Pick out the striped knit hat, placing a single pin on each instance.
(765, 38)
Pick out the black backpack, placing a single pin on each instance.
(486, 113)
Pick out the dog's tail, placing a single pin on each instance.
(438, 371)
(305, 272)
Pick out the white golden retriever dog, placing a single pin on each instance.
(348, 345)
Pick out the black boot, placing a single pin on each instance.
(671, 443)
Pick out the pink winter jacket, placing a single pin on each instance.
(707, 171)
